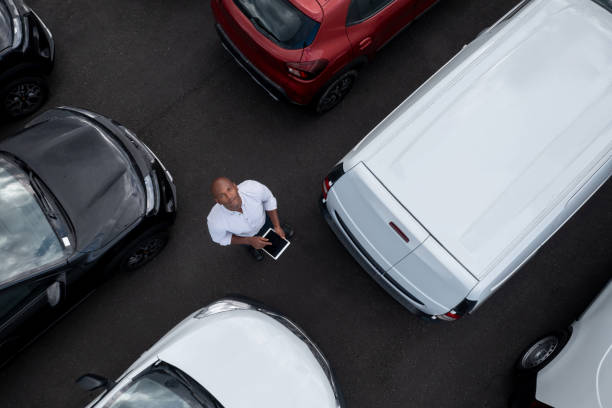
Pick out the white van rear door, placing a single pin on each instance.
(434, 277)
(365, 209)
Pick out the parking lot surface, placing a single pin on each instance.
(158, 68)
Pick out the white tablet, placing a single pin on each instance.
(278, 246)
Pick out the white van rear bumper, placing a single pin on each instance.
(370, 266)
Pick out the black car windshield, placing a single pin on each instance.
(281, 22)
(27, 240)
(6, 27)
(159, 388)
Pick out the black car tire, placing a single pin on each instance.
(541, 352)
(335, 91)
(141, 250)
(23, 96)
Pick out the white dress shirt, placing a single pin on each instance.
(256, 200)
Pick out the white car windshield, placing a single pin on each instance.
(161, 387)
(27, 240)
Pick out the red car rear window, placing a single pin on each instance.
(281, 22)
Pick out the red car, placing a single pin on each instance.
(309, 51)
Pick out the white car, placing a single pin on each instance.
(230, 354)
(572, 368)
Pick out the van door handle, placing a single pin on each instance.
(365, 43)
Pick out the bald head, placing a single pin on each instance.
(218, 184)
(225, 192)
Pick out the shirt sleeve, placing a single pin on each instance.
(265, 195)
(218, 234)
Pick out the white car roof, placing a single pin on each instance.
(483, 155)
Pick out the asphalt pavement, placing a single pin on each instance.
(158, 67)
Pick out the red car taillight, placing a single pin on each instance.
(306, 69)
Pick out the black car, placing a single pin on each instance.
(80, 197)
(26, 56)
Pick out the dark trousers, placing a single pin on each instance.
(266, 226)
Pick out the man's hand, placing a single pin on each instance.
(259, 242)
(280, 232)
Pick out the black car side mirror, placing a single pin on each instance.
(92, 382)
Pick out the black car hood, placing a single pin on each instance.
(89, 173)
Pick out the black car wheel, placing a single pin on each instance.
(23, 96)
(142, 250)
(541, 352)
(335, 91)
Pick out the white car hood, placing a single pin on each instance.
(247, 359)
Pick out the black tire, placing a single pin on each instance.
(541, 352)
(23, 96)
(140, 251)
(335, 91)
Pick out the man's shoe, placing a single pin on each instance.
(256, 253)
(288, 230)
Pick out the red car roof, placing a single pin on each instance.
(312, 8)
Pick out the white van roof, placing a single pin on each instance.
(486, 151)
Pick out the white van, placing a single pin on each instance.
(451, 193)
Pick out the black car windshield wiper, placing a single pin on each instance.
(259, 23)
(42, 198)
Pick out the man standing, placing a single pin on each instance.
(243, 213)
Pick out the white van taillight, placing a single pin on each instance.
(399, 231)
(449, 316)
(463, 308)
(326, 186)
(452, 315)
(331, 178)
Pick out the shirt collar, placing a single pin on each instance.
(235, 212)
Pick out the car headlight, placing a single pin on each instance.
(151, 186)
(17, 32)
(152, 157)
(16, 8)
(220, 307)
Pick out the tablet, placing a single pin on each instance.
(278, 246)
